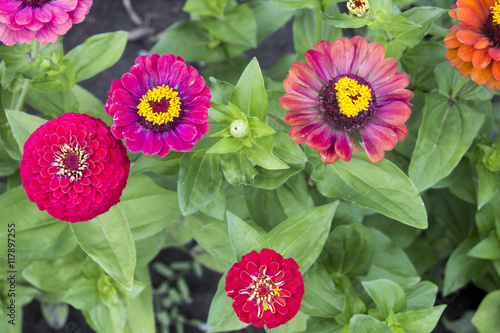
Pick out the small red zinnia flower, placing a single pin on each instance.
(347, 87)
(73, 167)
(474, 44)
(23, 20)
(161, 104)
(266, 288)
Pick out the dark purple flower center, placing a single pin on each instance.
(491, 30)
(34, 3)
(335, 111)
(71, 161)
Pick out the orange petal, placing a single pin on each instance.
(465, 52)
(465, 68)
(488, 3)
(495, 70)
(483, 43)
(468, 37)
(481, 59)
(453, 14)
(467, 16)
(451, 54)
(493, 83)
(481, 76)
(494, 52)
(451, 41)
(476, 6)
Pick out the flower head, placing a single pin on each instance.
(73, 167)
(161, 104)
(474, 44)
(23, 20)
(344, 88)
(266, 288)
(358, 8)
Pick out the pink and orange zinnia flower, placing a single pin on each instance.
(23, 20)
(266, 288)
(161, 104)
(474, 43)
(73, 167)
(345, 88)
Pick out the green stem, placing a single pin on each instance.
(318, 25)
(24, 91)
(457, 88)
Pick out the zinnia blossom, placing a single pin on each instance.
(266, 288)
(344, 88)
(474, 44)
(73, 167)
(23, 20)
(161, 104)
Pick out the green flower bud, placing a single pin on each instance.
(238, 128)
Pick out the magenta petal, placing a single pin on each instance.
(140, 72)
(174, 141)
(383, 72)
(166, 148)
(317, 62)
(135, 146)
(360, 49)
(196, 117)
(194, 88)
(374, 54)
(324, 48)
(300, 117)
(190, 79)
(178, 72)
(319, 139)
(374, 152)
(149, 144)
(400, 130)
(329, 155)
(24, 16)
(295, 103)
(395, 113)
(123, 118)
(343, 146)
(299, 90)
(381, 136)
(122, 96)
(132, 132)
(131, 83)
(343, 54)
(304, 75)
(399, 81)
(186, 132)
(402, 95)
(151, 67)
(163, 66)
(299, 133)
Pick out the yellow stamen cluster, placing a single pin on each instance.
(263, 289)
(352, 97)
(358, 8)
(157, 94)
(60, 161)
(495, 11)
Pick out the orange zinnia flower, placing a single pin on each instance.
(474, 44)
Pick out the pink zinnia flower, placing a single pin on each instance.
(266, 288)
(73, 167)
(347, 87)
(161, 104)
(23, 20)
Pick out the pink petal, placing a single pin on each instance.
(381, 136)
(319, 139)
(395, 113)
(317, 62)
(152, 144)
(131, 83)
(173, 141)
(294, 103)
(123, 118)
(494, 52)
(299, 133)
(299, 90)
(304, 75)
(178, 72)
(300, 117)
(360, 49)
(343, 53)
(186, 132)
(374, 152)
(374, 53)
(24, 16)
(135, 146)
(383, 72)
(343, 146)
(324, 48)
(400, 81)
(163, 66)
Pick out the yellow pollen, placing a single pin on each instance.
(156, 95)
(495, 11)
(352, 97)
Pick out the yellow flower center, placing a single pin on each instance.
(495, 11)
(352, 97)
(358, 8)
(160, 105)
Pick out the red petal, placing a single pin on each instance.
(343, 146)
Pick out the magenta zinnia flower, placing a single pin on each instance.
(73, 167)
(347, 87)
(161, 104)
(23, 20)
(266, 288)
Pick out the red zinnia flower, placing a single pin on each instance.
(160, 104)
(266, 288)
(347, 87)
(45, 20)
(474, 44)
(73, 167)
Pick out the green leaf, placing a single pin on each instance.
(217, 207)
(488, 185)
(421, 296)
(352, 305)
(166, 165)
(55, 314)
(361, 323)
(302, 237)
(237, 168)
(60, 78)
(296, 4)
(323, 325)
(287, 150)
(349, 249)
(97, 53)
(488, 248)
(199, 180)
(486, 318)
(264, 207)
(321, 298)
(39, 236)
(345, 21)
(392, 22)
(89, 104)
(250, 93)
(272, 179)
(258, 128)
(205, 7)
(294, 196)
(261, 153)
(388, 297)
(425, 53)
(422, 321)
(226, 145)
(7, 164)
(140, 311)
(189, 40)
(54, 104)
(108, 318)
(18, 59)
(461, 268)
(445, 135)
(237, 26)
(244, 238)
(221, 92)
(23, 125)
(382, 187)
(269, 18)
(107, 239)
